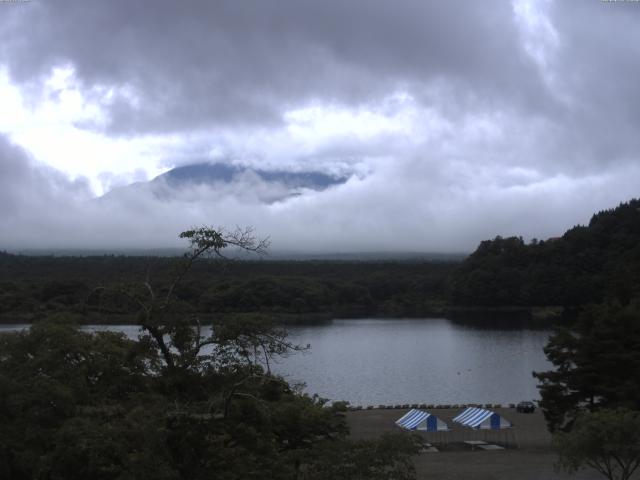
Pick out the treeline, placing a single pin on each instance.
(588, 264)
(33, 287)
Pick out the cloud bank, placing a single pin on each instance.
(455, 121)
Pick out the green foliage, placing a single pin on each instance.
(607, 440)
(35, 287)
(52, 375)
(75, 405)
(586, 265)
(597, 364)
(180, 402)
(386, 459)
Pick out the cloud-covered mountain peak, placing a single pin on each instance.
(223, 173)
(210, 181)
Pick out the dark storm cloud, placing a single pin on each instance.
(180, 65)
(415, 205)
(519, 118)
(598, 65)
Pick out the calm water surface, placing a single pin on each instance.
(390, 361)
(371, 362)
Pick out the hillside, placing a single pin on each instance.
(588, 264)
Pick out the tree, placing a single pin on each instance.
(597, 365)
(180, 340)
(607, 440)
(57, 384)
(593, 263)
(180, 402)
(387, 458)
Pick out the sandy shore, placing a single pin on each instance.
(529, 455)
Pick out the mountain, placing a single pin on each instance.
(266, 186)
(212, 173)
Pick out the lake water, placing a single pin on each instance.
(391, 361)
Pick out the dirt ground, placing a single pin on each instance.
(528, 455)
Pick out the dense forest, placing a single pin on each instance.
(33, 287)
(588, 264)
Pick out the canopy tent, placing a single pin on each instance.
(479, 418)
(421, 420)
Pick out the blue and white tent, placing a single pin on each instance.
(421, 420)
(479, 418)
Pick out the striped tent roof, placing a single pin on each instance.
(421, 420)
(474, 417)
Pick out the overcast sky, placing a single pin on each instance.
(454, 121)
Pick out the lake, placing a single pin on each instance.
(392, 361)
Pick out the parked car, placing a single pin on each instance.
(526, 407)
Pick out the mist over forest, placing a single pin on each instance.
(421, 144)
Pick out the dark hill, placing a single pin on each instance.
(587, 264)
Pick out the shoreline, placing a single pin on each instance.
(542, 317)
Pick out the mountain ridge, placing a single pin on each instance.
(207, 173)
(266, 186)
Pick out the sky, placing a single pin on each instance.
(453, 121)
